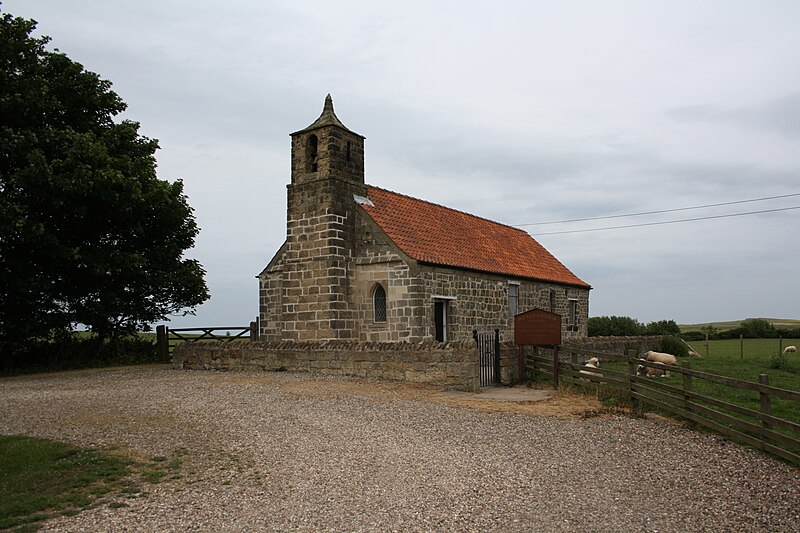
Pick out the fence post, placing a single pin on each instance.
(162, 342)
(632, 378)
(766, 406)
(573, 358)
(706, 345)
(687, 387)
(253, 331)
(555, 367)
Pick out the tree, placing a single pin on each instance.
(662, 327)
(754, 328)
(613, 326)
(88, 233)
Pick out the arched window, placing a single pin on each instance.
(379, 303)
(311, 153)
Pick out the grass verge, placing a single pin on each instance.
(41, 479)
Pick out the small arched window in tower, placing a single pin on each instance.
(311, 153)
(379, 303)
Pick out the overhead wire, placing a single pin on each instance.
(657, 212)
(586, 230)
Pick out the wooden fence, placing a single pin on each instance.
(167, 338)
(757, 428)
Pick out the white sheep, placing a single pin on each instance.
(642, 370)
(692, 353)
(658, 357)
(594, 362)
(790, 349)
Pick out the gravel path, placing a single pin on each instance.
(290, 452)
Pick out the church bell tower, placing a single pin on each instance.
(327, 171)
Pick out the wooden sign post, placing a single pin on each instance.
(538, 327)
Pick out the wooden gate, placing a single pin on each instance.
(489, 350)
(168, 338)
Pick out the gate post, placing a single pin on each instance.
(497, 356)
(162, 343)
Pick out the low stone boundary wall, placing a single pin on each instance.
(454, 365)
(616, 345)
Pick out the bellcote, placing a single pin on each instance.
(327, 149)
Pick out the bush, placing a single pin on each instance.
(779, 361)
(662, 327)
(758, 328)
(693, 336)
(673, 345)
(73, 352)
(614, 326)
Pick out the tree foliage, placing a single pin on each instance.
(614, 326)
(625, 326)
(757, 328)
(88, 233)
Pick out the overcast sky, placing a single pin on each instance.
(520, 112)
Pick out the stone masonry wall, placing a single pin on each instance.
(482, 302)
(453, 365)
(616, 345)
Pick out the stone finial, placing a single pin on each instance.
(327, 109)
(327, 118)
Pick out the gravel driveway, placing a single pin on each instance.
(285, 452)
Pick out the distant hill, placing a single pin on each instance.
(783, 323)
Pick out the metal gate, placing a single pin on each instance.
(489, 350)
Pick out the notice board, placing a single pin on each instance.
(537, 327)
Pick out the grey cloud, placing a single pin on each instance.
(778, 115)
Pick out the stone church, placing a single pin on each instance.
(366, 264)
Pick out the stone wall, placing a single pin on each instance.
(482, 302)
(616, 345)
(453, 365)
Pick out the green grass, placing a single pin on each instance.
(41, 479)
(755, 357)
(725, 359)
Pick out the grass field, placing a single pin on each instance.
(725, 359)
(757, 356)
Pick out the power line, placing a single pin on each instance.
(654, 212)
(666, 222)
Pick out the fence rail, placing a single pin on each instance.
(167, 338)
(757, 428)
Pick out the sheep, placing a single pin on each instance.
(692, 353)
(594, 362)
(790, 349)
(658, 357)
(642, 370)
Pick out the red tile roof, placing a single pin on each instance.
(438, 235)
